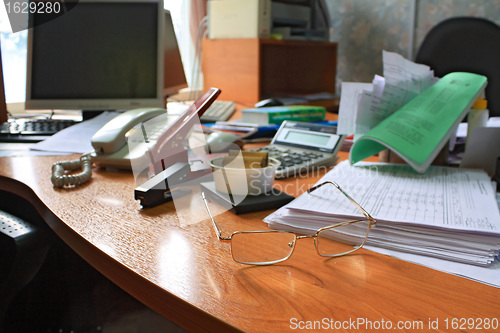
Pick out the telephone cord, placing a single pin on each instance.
(61, 179)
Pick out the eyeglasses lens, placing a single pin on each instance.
(341, 240)
(262, 247)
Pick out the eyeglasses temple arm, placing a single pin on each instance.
(365, 213)
(217, 230)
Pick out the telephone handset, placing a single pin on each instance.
(110, 142)
(111, 137)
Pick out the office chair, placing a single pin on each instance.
(467, 44)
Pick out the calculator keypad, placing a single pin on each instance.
(292, 160)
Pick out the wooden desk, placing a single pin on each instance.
(179, 268)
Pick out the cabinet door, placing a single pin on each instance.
(233, 66)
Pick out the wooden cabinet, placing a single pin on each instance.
(248, 70)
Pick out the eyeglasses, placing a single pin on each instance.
(266, 247)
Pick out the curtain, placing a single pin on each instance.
(197, 13)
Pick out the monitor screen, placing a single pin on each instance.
(100, 55)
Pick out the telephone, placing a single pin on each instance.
(110, 142)
(110, 148)
(148, 135)
(140, 136)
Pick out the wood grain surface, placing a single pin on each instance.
(170, 259)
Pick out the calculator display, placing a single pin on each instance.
(307, 138)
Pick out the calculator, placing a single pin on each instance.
(302, 147)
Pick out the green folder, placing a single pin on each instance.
(419, 130)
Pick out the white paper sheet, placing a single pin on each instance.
(351, 92)
(75, 139)
(369, 105)
(488, 275)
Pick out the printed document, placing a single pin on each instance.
(402, 80)
(446, 213)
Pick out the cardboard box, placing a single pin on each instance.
(239, 19)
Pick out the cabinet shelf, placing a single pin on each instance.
(248, 70)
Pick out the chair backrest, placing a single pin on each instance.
(467, 44)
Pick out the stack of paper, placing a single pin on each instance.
(446, 213)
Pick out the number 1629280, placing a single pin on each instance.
(33, 7)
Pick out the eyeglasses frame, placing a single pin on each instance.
(369, 218)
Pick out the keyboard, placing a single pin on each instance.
(218, 111)
(31, 130)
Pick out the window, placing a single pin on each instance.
(13, 59)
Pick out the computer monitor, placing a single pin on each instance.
(174, 77)
(100, 55)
